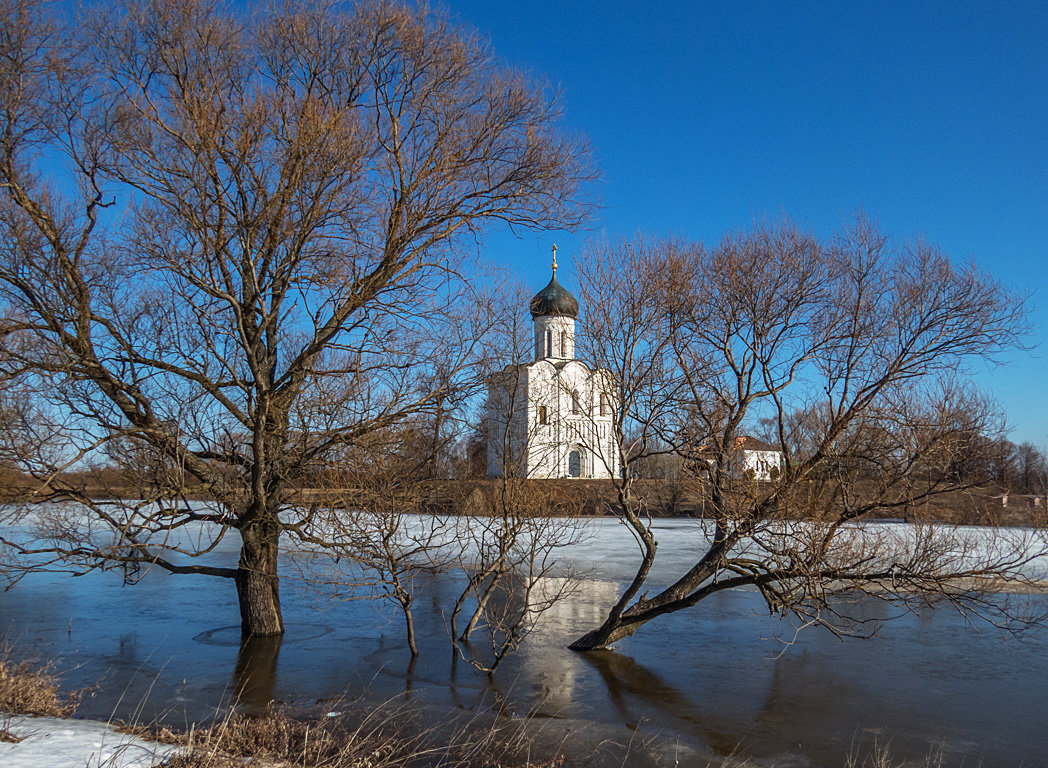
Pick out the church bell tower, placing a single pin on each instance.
(553, 310)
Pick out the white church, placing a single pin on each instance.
(552, 418)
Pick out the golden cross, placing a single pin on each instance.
(554, 259)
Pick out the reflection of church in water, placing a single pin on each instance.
(552, 417)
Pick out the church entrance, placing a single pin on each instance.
(574, 464)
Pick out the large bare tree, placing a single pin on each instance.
(856, 352)
(229, 245)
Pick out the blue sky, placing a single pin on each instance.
(930, 117)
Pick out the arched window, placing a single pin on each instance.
(543, 415)
(605, 406)
(575, 407)
(575, 464)
(563, 343)
(549, 343)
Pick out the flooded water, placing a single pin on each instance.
(723, 678)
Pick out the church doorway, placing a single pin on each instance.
(574, 464)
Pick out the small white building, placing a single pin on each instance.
(748, 458)
(553, 417)
(763, 461)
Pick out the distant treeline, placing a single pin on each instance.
(679, 495)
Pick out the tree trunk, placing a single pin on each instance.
(410, 625)
(258, 587)
(405, 599)
(600, 638)
(614, 627)
(482, 603)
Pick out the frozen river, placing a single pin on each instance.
(721, 678)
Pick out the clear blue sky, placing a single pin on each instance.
(931, 117)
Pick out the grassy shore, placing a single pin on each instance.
(386, 736)
(32, 689)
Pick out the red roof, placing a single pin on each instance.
(746, 443)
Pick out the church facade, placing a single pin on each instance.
(552, 417)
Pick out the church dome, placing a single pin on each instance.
(555, 300)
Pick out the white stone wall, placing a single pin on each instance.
(554, 338)
(570, 393)
(765, 465)
(538, 414)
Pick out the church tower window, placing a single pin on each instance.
(543, 415)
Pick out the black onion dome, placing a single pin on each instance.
(555, 300)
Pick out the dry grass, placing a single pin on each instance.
(878, 756)
(385, 737)
(6, 736)
(31, 689)
(278, 738)
(879, 759)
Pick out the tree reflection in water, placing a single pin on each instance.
(629, 683)
(255, 673)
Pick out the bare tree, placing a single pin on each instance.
(229, 247)
(388, 511)
(627, 292)
(513, 527)
(509, 559)
(371, 530)
(854, 352)
(1032, 469)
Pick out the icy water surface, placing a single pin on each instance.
(723, 678)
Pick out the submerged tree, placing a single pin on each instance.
(372, 517)
(391, 523)
(509, 562)
(517, 525)
(855, 352)
(228, 248)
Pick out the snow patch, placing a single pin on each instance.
(49, 742)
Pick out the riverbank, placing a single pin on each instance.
(660, 498)
(271, 742)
